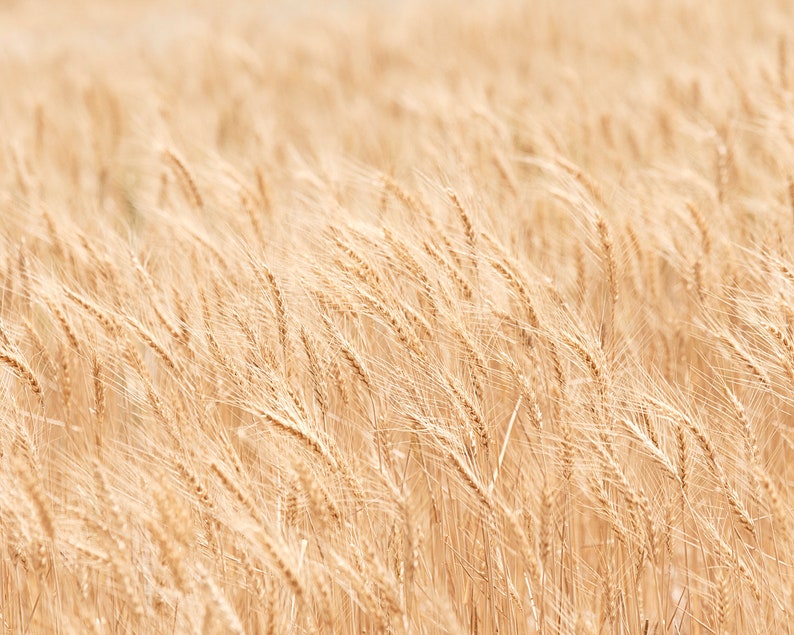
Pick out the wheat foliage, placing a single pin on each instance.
(396, 317)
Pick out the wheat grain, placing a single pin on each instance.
(519, 359)
(184, 177)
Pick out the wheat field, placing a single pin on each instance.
(396, 317)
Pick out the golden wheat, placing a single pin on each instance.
(396, 317)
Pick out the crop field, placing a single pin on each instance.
(397, 317)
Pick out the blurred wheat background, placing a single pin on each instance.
(396, 317)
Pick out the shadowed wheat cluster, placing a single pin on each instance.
(400, 318)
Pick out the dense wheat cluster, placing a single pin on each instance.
(388, 317)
